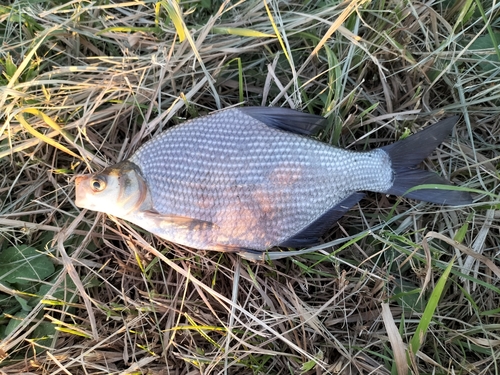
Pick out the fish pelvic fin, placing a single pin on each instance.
(406, 154)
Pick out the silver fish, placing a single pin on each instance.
(248, 179)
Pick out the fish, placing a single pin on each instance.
(248, 179)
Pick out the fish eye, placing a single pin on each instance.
(98, 184)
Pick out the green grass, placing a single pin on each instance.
(399, 287)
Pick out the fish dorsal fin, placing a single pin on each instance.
(287, 119)
(311, 234)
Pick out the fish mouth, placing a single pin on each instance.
(80, 195)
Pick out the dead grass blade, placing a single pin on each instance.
(69, 268)
(397, 345)
(43, 137)
(488, 262)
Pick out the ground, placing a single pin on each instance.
(397, 287)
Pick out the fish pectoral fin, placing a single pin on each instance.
(244, 252)
(182, 222)
(287, 119)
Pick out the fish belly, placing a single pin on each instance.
(257, 185)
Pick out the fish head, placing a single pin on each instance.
(119, 190)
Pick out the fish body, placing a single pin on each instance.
(248, 179)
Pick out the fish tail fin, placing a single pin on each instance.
(406, 154)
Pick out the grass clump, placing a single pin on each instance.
(413, 289)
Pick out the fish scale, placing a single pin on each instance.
(251, 165)
(247, 179)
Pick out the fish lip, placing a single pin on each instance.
(80, 196)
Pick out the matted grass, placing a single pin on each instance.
(415, 289)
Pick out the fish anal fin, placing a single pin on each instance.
(287, 119)
(311, 234)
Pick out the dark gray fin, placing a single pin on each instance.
(178, 221)
(406, 154)
(311, 234)
(287, 119)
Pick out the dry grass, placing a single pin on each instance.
(85, 83)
